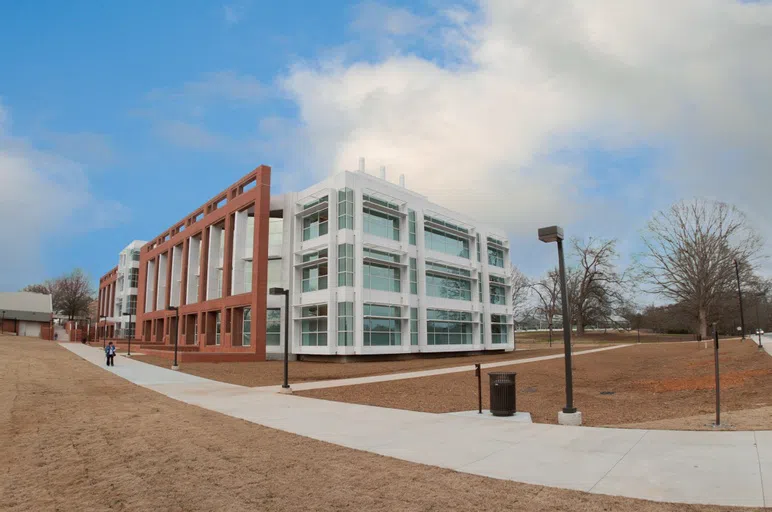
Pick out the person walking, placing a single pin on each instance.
(110, 353)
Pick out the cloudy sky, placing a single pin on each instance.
(117, 119)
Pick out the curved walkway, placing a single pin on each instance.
(721, 468)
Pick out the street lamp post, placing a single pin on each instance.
(176, 310)
(740, 295)
(281, 291)
(758, 320)
(129, 336)
(569, 415)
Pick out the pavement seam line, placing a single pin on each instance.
(617, 462)
(761, 473)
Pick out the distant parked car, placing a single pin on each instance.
(759, 331)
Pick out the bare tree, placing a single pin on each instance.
(547, 290)
(521, 286)
(691, 249)
(594, 285)
(71, 294)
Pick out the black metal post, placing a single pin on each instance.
(550, 329)
(129, 335)
(569, 408)
(740, 295)
(718, 387)
(286, 339)
(478, 373)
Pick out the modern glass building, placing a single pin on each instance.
(374, 268)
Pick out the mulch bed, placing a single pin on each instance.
(640, 383)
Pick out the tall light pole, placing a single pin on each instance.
(281, 291)
(758, 321)
(569, 415)
(176, 310)
(740, 295)
(129, 335)
(104, 331)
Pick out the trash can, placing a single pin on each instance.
(502, 393)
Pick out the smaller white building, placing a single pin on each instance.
(126, 290)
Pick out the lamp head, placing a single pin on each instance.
(276, 291)
(551, 234)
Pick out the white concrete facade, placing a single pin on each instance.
(126, 289)
(375, 268)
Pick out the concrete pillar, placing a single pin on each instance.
(227, 259)
(204, 265)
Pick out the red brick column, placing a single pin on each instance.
(260, 259)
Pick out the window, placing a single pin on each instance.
(133, 277)
(448, 327)
(380, 277)
(315, 278)
(447, 269)
(315, 202)
(381, 224)
(273, 327)
(440, 241)
(478, 247)
(315, 225)
(314, 326)
(411, 226)
(313, 256)
(413, 276)
(131, 305)
(448, 287)
(131, 327)
(346, 265)
(382, 325)
(498, 329)
(246, 330)
(217, 328)
(479, 286)
(414, 326)
(498, 294)
(346, 209)
(134, 255)
(346, 324)
(195, 330)
(380, 255)
(445, 223)
(495, 255)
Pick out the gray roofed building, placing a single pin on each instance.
(26, 306)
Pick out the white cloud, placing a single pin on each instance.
(42, 194)
(520, 82)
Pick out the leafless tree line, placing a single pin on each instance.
(71, 294)
(689, 261)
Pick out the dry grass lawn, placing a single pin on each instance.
(641, 383)
(74, 437)
(269, 373)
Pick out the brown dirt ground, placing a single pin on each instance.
(649, 381)
(74, 437)
(268, 373)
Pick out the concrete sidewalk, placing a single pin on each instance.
(354, 381)
(721, 468)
